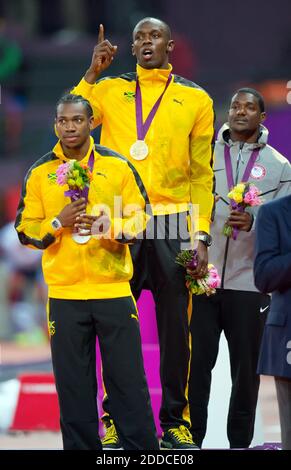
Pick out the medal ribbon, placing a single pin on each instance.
(141, 127)
(245, 178)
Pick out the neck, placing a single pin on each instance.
(164, 66)
(248, 137)
(77, 153)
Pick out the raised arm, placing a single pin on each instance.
(102, 57)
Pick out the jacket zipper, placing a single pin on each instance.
(228, 238)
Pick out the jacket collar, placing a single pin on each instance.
(224, 138)
(149, 75)
(58, 151)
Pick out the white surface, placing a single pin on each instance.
(9, 391)
(40, 440)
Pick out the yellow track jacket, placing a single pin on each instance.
(178, 169)
(100, 268)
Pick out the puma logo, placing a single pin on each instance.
(177, 101)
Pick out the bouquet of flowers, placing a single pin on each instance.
(242, 195)
(205, 285)
(76, 175)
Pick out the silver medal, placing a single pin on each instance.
(139, 150)
(81, 239)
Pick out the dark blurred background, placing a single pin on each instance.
(46, 46)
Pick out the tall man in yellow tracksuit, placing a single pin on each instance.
(88, 282)
(163, 124)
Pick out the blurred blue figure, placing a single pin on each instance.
(272, 271)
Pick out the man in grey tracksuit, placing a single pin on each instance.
(237, 308)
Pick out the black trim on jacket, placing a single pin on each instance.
(48, 239)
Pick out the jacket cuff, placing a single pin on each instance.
(202, 225)
(47, 227)
(253, 224)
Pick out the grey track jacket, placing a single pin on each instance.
(272, 175)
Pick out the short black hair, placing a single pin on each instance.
(256, 94)
(70, 98)
(150, 19)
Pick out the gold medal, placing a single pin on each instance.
(139, 150)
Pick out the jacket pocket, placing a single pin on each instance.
(277, 318)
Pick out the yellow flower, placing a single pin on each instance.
(235, 195)
(240, 187)
(79, 182)
(237, 192)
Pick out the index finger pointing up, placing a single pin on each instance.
(101, 33)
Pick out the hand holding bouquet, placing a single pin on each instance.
(78, 177)
(242, 195)
(205, 285)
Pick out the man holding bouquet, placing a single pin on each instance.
(245, 165)
(164, 124)
(88, 276)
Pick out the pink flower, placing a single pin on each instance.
(252, 197)
(205, 285)
(62, 173)
(213, 279)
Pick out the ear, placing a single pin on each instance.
(132, 49)
(55, 128)
(170, 46)
(263, 116)
(91, 123)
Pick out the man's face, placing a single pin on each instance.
(151, 44)
(73, 124)
(244, 115)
